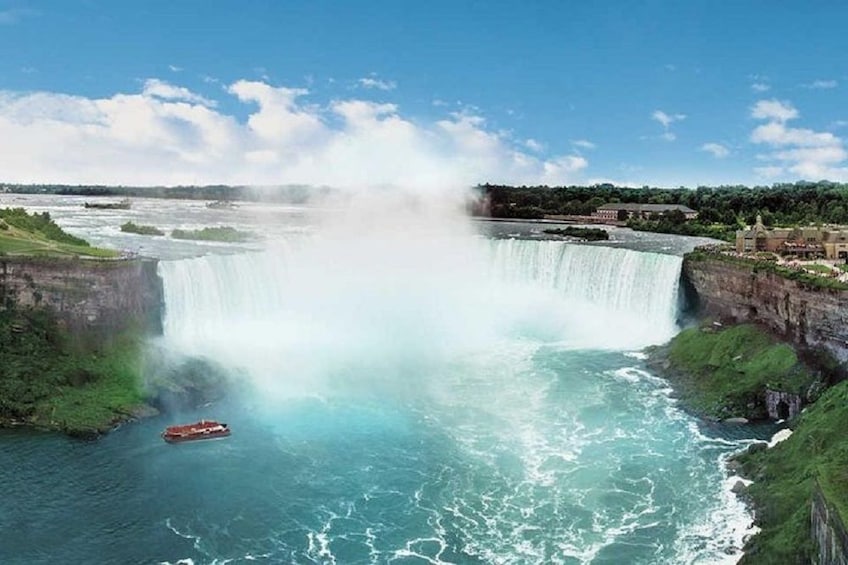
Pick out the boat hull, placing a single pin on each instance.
(195, 437)
(204, 429)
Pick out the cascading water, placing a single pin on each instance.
(592, 297)
(477, 399)
(413, 393)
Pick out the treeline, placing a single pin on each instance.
(780, 204)
(289, 194)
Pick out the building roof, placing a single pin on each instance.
(633, 207)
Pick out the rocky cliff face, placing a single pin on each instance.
(89, 297)
(804, 315)
(828, 532)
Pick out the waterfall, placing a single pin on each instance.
(317, 307)
(619, 293)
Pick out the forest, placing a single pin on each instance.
(720, 209)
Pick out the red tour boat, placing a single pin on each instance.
(204, 429)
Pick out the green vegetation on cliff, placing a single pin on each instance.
(37, 234)
(221, 233)
(784, 476)
(810, 280)
(131, 227)
(672, 223)
(49, 381)
(723, 373)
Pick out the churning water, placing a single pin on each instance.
(426, 398)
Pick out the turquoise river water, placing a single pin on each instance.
(459, 395)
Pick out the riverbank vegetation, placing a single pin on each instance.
(784, 479)
(722, 373)
(220, 233)
(36, 234)
(49, 380)
(588, 234)
(131, 227)
(721, 210)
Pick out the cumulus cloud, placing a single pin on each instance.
(760, 87)
(168, 134)
(796, 152)
(718, 150)
(774, 110)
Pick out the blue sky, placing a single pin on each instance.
(658, 92)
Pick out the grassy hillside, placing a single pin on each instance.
(783, 480)
(723, 373)
(27, 234)
(48, 382)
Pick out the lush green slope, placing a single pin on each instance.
(49, 381)
(27, 234)
(783, 480)
(723, 372)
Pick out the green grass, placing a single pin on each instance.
(221, 233)
(823, 269)
(112, 392)
(50, 381)
(36, 235)
(139, 229)
(724, 373)
(784, 478)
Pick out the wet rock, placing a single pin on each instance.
(736, 420)
(738, 487)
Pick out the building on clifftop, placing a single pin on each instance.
(610, 212)
(830, 242)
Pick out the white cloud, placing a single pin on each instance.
(583, 144)
(376, 83)
(175, 68)
(760, 87)
(167, 134)
(718, 150)
(821, 84)
(166, 91)
(796, 152)
(667, 119)
(774, 110)
(668, 136)
(776, 133)
(534, 145)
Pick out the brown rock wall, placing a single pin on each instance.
(806, 316)
(86, 295)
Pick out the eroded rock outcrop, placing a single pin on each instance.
(807, 316)
(88, 297)
(828, 532)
